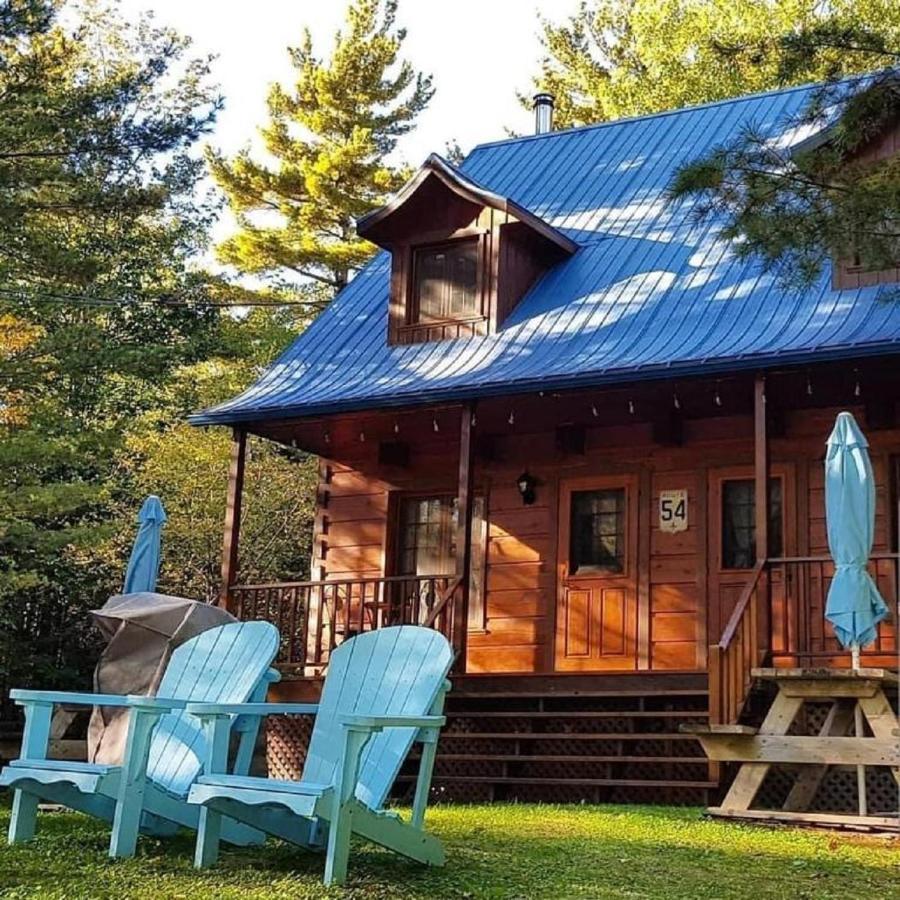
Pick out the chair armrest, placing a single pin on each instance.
(252, 709)
(75, 699)
(377, 723)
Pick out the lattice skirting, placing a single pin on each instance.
(287, 740)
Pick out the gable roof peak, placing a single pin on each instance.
(457, 182)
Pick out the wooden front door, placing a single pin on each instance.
(596, 618)
(732, 538)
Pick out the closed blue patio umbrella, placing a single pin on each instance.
(143, 566)
(854, 605)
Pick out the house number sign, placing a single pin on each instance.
(673, 511)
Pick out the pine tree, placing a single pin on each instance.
(330, 135)
(98, 223)
(791, 212)
(617, 58)
(797, 209)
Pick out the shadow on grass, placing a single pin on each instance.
(497, 851)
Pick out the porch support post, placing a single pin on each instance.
(761, 498)
(231, 539)
(464, 532)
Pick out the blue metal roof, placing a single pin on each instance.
(648, 293)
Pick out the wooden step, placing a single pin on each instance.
(631, 706)
(575, 782)
(562, 757)
(575, 714)
(581, 684)
(540, 695)
(564, 735)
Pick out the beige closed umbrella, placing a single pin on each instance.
(141, 630)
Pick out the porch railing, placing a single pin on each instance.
(314, 617)
(780, 616)
(742, 647)
(801, 636)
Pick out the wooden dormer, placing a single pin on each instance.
(851, 273)
(881, 146)
(462, 256)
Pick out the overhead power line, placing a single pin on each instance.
(40, 295)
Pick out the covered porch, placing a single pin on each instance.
(737, 582)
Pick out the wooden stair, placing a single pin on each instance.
(612, 738)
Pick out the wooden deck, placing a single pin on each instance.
(561, 738)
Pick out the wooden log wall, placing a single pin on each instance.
(683, 600)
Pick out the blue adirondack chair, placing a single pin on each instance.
(384, 690)
(165, 746)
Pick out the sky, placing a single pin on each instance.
(480, 53)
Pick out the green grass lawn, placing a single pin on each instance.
(492, 851)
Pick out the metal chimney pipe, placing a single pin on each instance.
(543, 113)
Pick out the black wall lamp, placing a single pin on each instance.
(526, 484)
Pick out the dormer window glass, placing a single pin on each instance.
(445, 282)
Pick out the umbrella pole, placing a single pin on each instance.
(858, 729)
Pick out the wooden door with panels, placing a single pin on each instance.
(732, 539)
(596, 621)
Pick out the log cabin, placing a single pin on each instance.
(564, 423)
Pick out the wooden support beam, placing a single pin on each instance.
(761, 467)
(801, 749)
(465, 504)
(761, 497)
(645, 489)
(824, 820)
(231, 538)
(749, 779)
(805, 788)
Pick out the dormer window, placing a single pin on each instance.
(445, 283)
(461, 256)
(854, 273)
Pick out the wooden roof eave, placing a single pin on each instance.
(464, 187)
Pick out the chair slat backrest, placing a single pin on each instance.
(222, 665)
(388, 672)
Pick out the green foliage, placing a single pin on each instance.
(98, 220)
(797, 209)
(499, 851)
(617, 58)
(187, 467)
(792, 212)
(326, 147)
(109, 335)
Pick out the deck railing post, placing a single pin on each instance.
(761, 497)
(231, 538)
(465, 503)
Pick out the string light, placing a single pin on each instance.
(630, 406)
(857, 390)
(362, 437)
(327, 437)
(717, 399)
(512, 417)
(676, 402)
(474, 420)
(808, 387)
(434, 424)
(294, 443)
(396, 428)
(594, 412)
